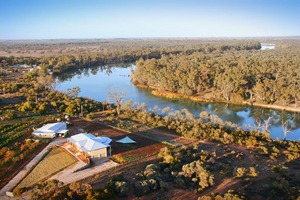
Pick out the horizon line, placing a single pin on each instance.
(140, 38)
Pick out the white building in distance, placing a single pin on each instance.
(51, 130)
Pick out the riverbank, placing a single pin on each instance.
(172, 95)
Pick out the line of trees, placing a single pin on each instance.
(125, 52)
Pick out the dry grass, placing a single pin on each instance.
(172, 95)
(167, 94)
(56, 160)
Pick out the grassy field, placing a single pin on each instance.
(56, 160)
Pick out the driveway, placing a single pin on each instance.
(67, 176)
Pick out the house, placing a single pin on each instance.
(91, 146)
(51, 130)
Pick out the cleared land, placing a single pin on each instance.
(143, 147)
(129, 152)
(56, 160)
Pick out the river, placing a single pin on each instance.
(96, 83)
(267, 46)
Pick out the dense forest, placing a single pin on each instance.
(75, 55)
(269, 77)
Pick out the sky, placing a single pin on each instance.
(79, 19)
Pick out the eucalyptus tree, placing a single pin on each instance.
(117, 96)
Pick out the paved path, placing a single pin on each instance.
(12, 183)
(67, 176)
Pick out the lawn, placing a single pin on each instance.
(56, 160)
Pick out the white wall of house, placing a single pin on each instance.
(99, 153)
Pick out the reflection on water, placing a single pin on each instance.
(96, 82)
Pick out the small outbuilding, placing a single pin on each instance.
(91, 146)
(51, 130)
(126, 140)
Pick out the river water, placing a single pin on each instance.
(97, 82)
(267, 46)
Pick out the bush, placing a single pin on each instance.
(103, 194)
(90, 116)
(10, 114)
(18, 191)
(180, 182)
(141, 188)
(240, 172)
(121, 188)
(147, 181)
(229, 195)
(252, 172)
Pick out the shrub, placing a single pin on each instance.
(18, 191)
(147, 181)
(121, 188)
(252, 172)
(10, 114)
(141, 188)
(197, 173)
(90, 116)
(240, 172)
(179, 181)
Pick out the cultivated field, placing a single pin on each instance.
(16, 147)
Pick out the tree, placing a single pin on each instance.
(197, 173)
(117, 96)
(286, 128)
(229, 82)
(266, 125)
(73, 93)
(104, 104)
(45, 82)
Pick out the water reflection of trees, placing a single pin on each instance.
(228, 112)
(107, 69)
(277, 116)
(225, 111)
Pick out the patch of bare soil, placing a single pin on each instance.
(143, 146)
(10, 99)
(172, 193)
(223, 185)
